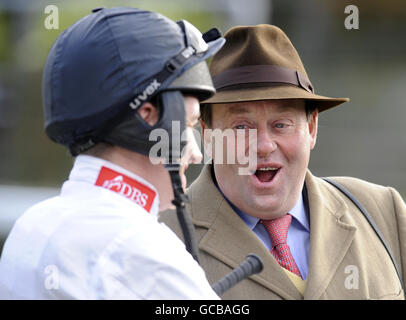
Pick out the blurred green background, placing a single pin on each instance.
(365, 138)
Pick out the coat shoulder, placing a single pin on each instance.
(366, 192)
(384, 204)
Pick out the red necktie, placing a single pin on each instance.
(278, 232)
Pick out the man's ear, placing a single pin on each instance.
(149, 113)
(313, 125)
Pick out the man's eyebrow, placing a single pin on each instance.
(237, 110)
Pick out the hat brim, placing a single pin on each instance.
(249, 92)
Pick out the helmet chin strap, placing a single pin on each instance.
(133, 134)
(185, 221)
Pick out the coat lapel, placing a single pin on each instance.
(330, 237)
(230, 240)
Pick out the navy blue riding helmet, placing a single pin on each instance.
(106, 65)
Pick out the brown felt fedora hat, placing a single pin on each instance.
(260, 63)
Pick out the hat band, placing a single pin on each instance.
(262, 74)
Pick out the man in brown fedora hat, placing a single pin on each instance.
(318, 239)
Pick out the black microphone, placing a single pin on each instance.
(251, 265)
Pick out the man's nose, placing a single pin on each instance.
(192, 154)
(195, 154)
(265, 142)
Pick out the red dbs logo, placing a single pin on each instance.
(129, 188)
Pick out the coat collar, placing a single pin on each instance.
(230, 240)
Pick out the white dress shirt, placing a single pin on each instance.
(99, 239)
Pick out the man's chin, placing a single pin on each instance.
(166, 204)
(265, 209)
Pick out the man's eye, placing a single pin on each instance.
(280, 125)
(240, 126)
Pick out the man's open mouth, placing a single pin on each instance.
(266, 174)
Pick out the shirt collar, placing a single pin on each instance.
(299, 213)
(102, 173)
